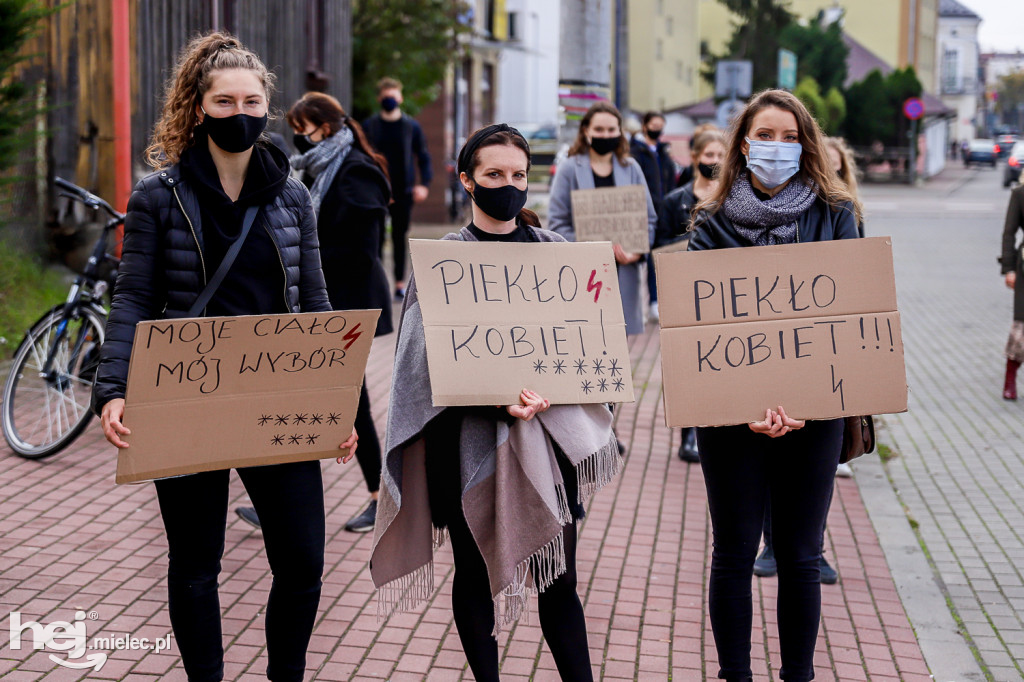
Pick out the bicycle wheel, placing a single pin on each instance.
(44, 411)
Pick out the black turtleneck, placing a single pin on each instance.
(255, 283)
(522, 233)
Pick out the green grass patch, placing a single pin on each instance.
(885, 452)
(28, 288)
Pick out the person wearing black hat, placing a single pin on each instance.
(506, 483)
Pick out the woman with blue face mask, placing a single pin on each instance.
(777, 187)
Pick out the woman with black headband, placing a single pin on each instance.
(454, 456)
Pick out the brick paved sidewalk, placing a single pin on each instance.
(70, 539)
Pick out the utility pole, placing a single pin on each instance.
(585, 60)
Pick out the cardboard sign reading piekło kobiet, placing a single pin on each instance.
(499, 317)
(812, 327)
(221, 392)
(614, 214)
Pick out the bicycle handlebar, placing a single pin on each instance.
(87, 198)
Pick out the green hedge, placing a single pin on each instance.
(27, 290)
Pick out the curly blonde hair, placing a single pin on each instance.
(192, 77)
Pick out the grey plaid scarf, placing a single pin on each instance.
(323, 161)
(772, 221)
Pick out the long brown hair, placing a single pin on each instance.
(848, 172)
(319, 108)
(581, 146)
(815, 167)
(498, 138)
(203, 55)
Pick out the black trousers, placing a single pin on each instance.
(741, 468)
(289, 499)
(401, 214)
(559, 609)
(368, 452)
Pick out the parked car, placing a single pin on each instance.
(981, 151)
(1011, 171)
(1004, 143)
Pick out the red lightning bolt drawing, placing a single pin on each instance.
(594, 286)
(352, 335)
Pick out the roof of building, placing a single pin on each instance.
(952, 8)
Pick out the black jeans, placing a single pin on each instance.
(289, 499)
(401, 215)
(559, 609)
(741, 468)
(368, 452)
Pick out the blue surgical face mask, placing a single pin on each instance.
(773, 163)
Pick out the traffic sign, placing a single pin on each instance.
(913, 108)
(734, 78)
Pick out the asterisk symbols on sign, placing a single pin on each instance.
(602, 385)
(277, 440)
(295, 439)
(300, 419)
(283, 421)
(559, 367)
(581, 366)
(539, 367)
(614, 368)
(333, 418)
(316, 418)
(619, 385)
(262, 421)
(311, 439)
(598, 366)
(587, 387)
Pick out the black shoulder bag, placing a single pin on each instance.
(229, 258)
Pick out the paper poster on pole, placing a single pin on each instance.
(812, 327)
(612, 214)
(221, 392)
(499, 317)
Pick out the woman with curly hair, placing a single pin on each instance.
(222, 191)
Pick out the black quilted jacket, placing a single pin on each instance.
(162, 271)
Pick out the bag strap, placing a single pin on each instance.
(225, 265)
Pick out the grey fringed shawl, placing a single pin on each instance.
(513, 495)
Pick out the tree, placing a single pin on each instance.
(18, 22)
(1010, 99)
(828, 109)
(835, 108)
(411, 40)
(755, 37)
(874, 108)
(821, 52)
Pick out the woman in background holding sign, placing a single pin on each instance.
(600, 158)
(221, 229)
(777, 187)
(506, 483)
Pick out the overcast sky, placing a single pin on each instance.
(1002, 25)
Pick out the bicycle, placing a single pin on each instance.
(47, 395)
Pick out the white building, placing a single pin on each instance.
(528, 68)
(957, 73)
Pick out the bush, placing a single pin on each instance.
(27, 290)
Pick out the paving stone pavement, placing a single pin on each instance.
(70, 539)
(959, 466)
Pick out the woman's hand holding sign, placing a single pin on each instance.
(351, 444)
(530, 404)
(776, 424)
(623, 258)
(113, 429)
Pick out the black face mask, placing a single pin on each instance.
(605, 145)
(236, 133)
(501, 203)
(654, 134)
(302, 142)
(709, 171)
(389, 104)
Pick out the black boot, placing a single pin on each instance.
(688, 448)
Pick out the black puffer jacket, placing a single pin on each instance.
(819, 223)
(162, 270)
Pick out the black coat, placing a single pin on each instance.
(414, 150)
(349, 227)
(661, 177)
(819, 223)
(162, 270)
(675, 215)
(1011, 259)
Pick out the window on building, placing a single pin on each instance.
(657, 49)
(513, 26)
(660, 6)
(668, 25)
(950, 62)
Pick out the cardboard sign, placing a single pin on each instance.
(812, 327)
(612, 214)
(500, 317)
(220, 392)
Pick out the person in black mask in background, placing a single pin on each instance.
(400, 139)
(660, 172)
(216, 178)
